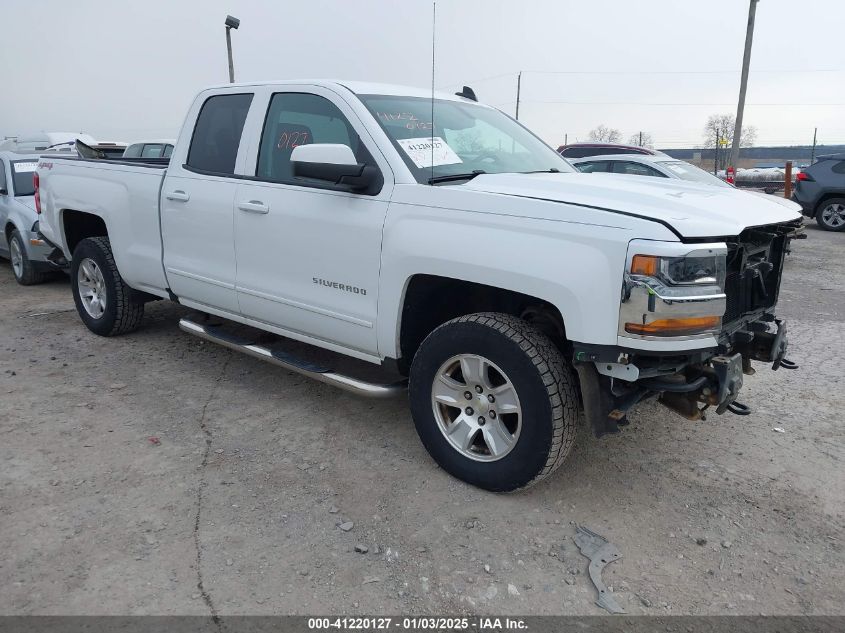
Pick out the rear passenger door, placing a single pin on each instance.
(197, 206)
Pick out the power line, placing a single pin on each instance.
(478, 80)
(679, 72)
(642, 103)
(641, 72)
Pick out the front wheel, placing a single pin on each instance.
(831, 214)
(105, 303)
(493, 401)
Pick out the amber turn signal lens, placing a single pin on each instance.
(675, 327)
(644, 265)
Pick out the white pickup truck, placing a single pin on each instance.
(441, 239)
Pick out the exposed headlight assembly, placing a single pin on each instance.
(671, 294)
(695, 269)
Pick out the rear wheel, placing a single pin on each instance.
(831, 214)
(493, 401)
(105, 303)
(23, 269)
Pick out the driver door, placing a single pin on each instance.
(308, 255)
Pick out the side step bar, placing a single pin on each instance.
(291, 363)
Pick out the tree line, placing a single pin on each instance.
(718, 133)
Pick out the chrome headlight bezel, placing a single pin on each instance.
(681, 296)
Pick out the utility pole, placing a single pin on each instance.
(231, 23)
(813, 153)
(518, 87)
(641, 139)
(743, 82)
(716, 154)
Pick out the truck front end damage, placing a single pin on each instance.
(692, 318)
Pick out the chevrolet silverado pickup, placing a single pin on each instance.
(438, 238)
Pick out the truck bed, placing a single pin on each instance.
(124, 194)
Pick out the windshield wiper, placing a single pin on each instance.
(450, 177)
(553, 170)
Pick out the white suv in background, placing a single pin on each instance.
(644, 165)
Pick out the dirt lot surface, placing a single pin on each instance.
(235, 507)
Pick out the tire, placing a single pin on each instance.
(22, 268)
(834, 209)
(118, 308)
(540, 435)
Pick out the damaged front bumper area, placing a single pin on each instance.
(689, 385)
(693, 381)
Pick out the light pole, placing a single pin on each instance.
(231, 23)
(743, 83)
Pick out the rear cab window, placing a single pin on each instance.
(217, 134)
(22, 172)
(152, 150)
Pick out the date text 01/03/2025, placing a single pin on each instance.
(416, 623)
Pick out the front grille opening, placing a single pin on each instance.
(754, 266)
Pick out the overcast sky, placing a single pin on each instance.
(124, 71)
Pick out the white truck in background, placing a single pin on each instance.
(40, 141)
(439, 238)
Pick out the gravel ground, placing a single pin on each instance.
(157, 474)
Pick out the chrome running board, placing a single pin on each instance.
(292, 363)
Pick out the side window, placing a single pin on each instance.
(217, 134)
(168, 150)
(839, 168)
(299, 119)
(2, 175)
(594, 166)
(635, 169)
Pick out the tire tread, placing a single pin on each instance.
(129, 311)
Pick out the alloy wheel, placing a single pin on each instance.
(833, 215)
(476, 407)
(16, 257)
(92, 288)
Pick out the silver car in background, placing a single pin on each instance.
(19, 239)
(659, 166)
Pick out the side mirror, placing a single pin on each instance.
(334, 163)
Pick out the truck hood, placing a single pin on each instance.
(692, 210)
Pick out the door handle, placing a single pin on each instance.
(254, 206)
(178, 196)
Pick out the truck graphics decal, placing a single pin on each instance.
(339, 286)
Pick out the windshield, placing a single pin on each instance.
(465, 138)
(22, 171)
(685, 171)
